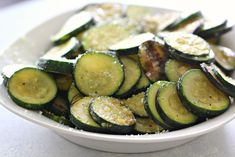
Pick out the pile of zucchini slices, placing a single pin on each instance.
(121, 73)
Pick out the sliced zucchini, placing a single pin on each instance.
(136, 104)
(188, 45)
(207, 69)
(80, 116)
(103, 77)
(200, 96)
(73, 94)
(146, 126)
(63, 82)
(192, 27)
(183, 20)
(59, 119)
(175, 69)
(9, 70)
(214, 39)
(74, 25)
(225, 57)
(53, 61)
(59, 106)
(152, 57)
(32, 88)
(106, 11)
(170, 108)
(132, 74)
(227, 81)
(142, 84)
(211, 27)
(110, 113)
(102, 37)
(150, 104)
(130, 45)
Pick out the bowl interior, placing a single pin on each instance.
(30, 47)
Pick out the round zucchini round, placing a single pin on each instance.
(32, 88)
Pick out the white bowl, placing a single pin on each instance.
(30, 47)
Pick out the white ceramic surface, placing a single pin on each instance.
(27, 50)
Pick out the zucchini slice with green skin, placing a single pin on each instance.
(9, 70)
(200, 96)
(103, 36)
(152, 57)
(207, 69)
(225, 57)
(150, 104)
(142, 84)
(111, 114)
(184, 20)
(170, 108)
(74, 25)
(146, 126)
(63, 82)
(53, 61)
(132, 74)
(211, 27)
(59, 119)
(98, 74)
(175, 69)
(59, 106)
(185, 44)
(32, 88)
(130, 45)
(136, 104)
(81, 118)
(227, 81)
(73, 94)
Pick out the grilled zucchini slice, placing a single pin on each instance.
(170, 108)
(150, 104)
(74, 25)
(188, 45)
(136, 104)
(73, 94)
(142, 84)
(63, 82)
(98, 74)
(200, 96)
(146, 126)
(175, 69)
(152, 57)
(132, 74)
(110, 113)
(80, 116)
(130, 45)
(59, 106)
(32, 88)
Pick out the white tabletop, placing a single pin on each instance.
(19, 138)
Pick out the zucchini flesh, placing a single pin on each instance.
(74, 25)
(224, 79)
(103, 77)
(63, 82)
(73, 94)
(175, 69)
(207, 69)
(136, 104)
(152, 57)
(132, 74)
(187, 44)
(110, 113)
(225, 57)
(143, 83)
(130, 45)
(150, 104)
(101, 37)
(80, 116)
(146, 125)
(170, 108)
(31, 88)
(106, 11)
(200, 96)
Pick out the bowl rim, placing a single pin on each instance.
(193, 131)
